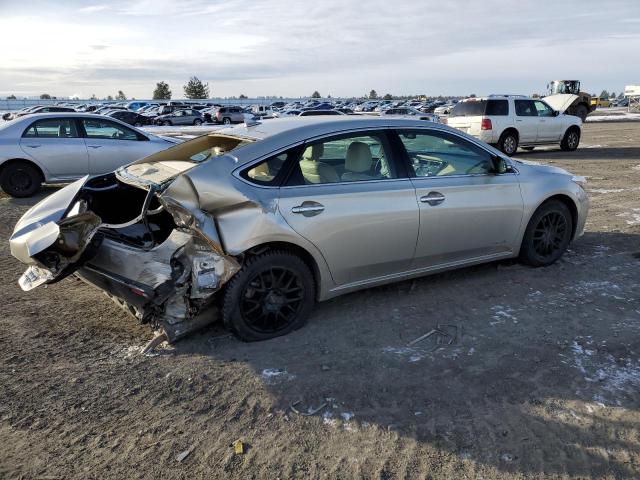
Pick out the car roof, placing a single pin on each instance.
(311, 126)
(283, 131)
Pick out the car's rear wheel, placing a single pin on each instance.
(571, 140)
(20, 179)
(226, 120)
(271, 295)
(137, 124)
(548, 234)
(167, 123)
(197, 122)
(508, 142)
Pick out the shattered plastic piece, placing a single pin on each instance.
(33, 277)
(160, 337)
(238, 447)
(182, 456)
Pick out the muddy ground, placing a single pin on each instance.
(542, 381)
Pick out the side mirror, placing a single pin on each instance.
(499, 165)
(556, 113)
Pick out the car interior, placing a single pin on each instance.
(345, 160)
(432, 155)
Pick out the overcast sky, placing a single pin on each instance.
(293, 47)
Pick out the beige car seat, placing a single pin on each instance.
(358, 163)
(315, 171)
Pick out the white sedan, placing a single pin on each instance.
(62, 147)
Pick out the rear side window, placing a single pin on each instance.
(497, 107)
(471, 108)
(525, 108)
(52, 128)
(266, 172)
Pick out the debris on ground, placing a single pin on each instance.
(182, 456)
(310, 411)
(238, 447)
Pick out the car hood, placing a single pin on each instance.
(560, 102)
(539, 167)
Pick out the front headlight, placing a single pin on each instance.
(580, 180)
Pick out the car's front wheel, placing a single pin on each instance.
(20, 179)
(197, 122)
(547, 235)
(271, 295)
(508, 142)
(226, 121)
(571, 140)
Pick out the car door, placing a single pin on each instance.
(111, 145)
(56, 145)
(550, 126)
(345, 195)
(526, 121)
(466, 211)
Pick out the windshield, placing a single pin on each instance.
(470, 108)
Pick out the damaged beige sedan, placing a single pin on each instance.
(253, 224)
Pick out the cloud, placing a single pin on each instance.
(341, 46)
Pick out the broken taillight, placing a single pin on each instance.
(486, 124)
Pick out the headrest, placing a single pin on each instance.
(358, 158)
(314, 152)
(62, 131)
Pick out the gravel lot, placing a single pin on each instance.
(542, 381)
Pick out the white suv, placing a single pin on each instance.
(509, 121)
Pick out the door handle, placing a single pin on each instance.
(34, 146)
(308, 209)
(432, 198)
(518, 119)
(94, 146)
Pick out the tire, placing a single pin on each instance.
(226, 121)
(528, 149)
(508, 142)
(582, 111)
(540, 248)
(197, 122)
(571, 140)
(167, 123)
(255, 315)
(20, 179)
(137, 124)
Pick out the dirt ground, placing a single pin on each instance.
(543, 380)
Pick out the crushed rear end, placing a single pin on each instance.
(138, 234)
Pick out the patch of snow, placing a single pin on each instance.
(617, 117)
(605, 190)
(346, 416)
(275, 375)
(502, 314)
(412, 354)
(610, 377)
